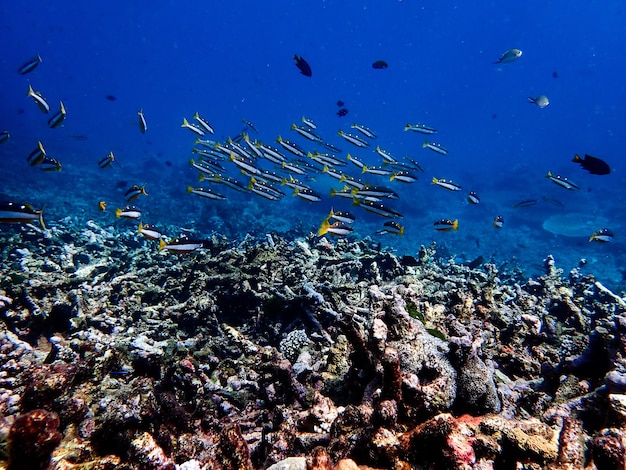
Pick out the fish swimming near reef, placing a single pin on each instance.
(593, 165)
(181, 245)
(445, 225)
(58, 118)
(18, 213)
(134, 192)
(337, 228)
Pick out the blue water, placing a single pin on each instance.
(234, 60)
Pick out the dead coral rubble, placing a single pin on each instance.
(302, 355)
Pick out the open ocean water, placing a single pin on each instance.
(233, 61)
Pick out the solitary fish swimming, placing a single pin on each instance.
(509, 56)
(540, 101)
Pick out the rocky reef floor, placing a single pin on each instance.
(299, 354)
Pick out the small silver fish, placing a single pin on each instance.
(509, 56)
(540, 101)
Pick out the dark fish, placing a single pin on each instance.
(58, 118)
(134, 192)
(305, 68)
(380, 64)
(143, 124)
(30, 65)
(342, 112)
(15, 213)
(110, 97)
(4, 137)
(526, 203)
(593, 165)
(498, 222)
(340, 103)
(556, 202)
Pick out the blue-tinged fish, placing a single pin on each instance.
(307, 194)
(445, 225)
(435, 147)
(134, 192)
(272, 154)
(325, 159)
(4, 137)
(338, 175)
(338, 229)
(355, 161)
(204, 124)
(354, 139)
(129, 212)
(207, 168)
(563, 181)
(232, 183)
(377, 208)
(58, 118)
(250, 126)
(309, 122)
(268, 175)
(253, 146)
(181, 245)
(291, 147)
(332, 147)
(30, 65)
(473, 198)
(17, 213)
(293, 183)
(293, 168)
(246, 165)
(403, 176)
(370, 134)
(306, 133)
(387, 157)
(420, 128)
(341, 216)
(446, 184)
(345, 193)
(498, 222)
(39, 99)
(540, 101)
(509, 56)
(106, 161)
(205, 192)
(525, 203)
(206, 143)
(50, 164)
(193, 127)
(392, 228)
(375, 191)
(264, 190)
(143, 125)
(414, 164)
(376, 170)
(602, 235)
(353, 182)
(37, 156)
(150, 231)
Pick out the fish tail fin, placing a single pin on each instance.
(162, 244)
(455, 224)
(434, 181)
(425, 144)
(549, 175)
(333, 191)
(185, 123)
(407, 127)
(118, 212)
(577, 158)
(393, 176)
(140, 228)
(323, 228)
(401, 230)
(190, 188)
(364, 169)
(41, 221)
(196, 116)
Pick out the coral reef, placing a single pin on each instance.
(300, 355)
